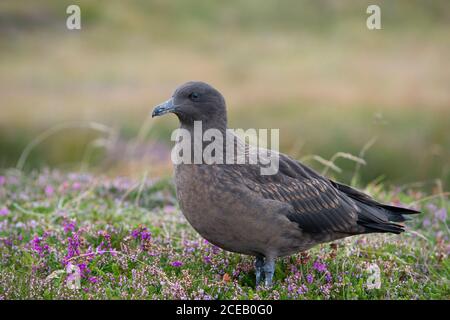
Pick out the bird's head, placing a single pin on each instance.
(195, 101)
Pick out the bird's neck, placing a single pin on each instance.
(202, 134)
(203, 126)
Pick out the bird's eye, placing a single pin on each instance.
(194, 96)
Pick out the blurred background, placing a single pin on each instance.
(80, 99)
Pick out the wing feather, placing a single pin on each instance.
(320, 205)
(316, 206)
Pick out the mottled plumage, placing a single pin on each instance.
(236, 208)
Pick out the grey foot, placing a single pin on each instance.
(269, 269)
(259, 269)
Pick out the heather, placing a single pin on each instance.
(128, 240)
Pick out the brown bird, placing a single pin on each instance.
(238, 209)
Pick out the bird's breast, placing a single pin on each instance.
(211, 207)
(199, 191)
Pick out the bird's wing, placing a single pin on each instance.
(322, 205)
(316, 205)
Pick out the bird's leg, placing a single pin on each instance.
(269, 269)
(259, 268)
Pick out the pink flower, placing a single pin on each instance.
(63, 187)
(49, 191)
(4, 211)
(76, 186)
(169, 209)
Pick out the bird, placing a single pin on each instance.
(237, 208)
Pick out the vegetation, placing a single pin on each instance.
(130, 241)
(77, 101)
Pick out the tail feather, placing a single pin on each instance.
(376, 219)
(375, 216)
(384, 228)
(397, 214)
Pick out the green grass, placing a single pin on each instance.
(102, 220)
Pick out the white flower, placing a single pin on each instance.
(374, 279)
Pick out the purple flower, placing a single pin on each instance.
(93, 279)
(328, 277)
(4, 211)
(176, 264)
(321, 267)
(69, 226)
(38, 246)
(441, 214)
(302, 289)
(432, 207)
(325, 289)
(82, 266)
(84, 270)
(73, 247)
(135, 233)
(142, 233)
(99, 250)
(426, 222)
(36, 241)
(145, 235)
(309, 278)
(2, 180)
(207, 259)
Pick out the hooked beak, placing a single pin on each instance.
(163, 108)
